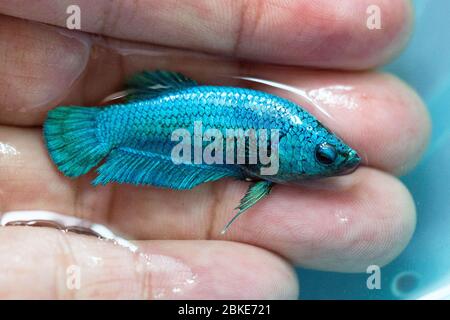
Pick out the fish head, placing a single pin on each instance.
(311, 153)
(325, 155)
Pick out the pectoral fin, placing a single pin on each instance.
(255, 192)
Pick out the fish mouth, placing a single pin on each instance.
(351, 163)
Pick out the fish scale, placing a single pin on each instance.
(184, 108)
(135, 137)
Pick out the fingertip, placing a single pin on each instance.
(394, 124)
(374, 229)
(404, 219)
(344, 225)
(380, 43)
(230, 271)
(64, 265)
(350, 34)
(413, 130)
(375, 113)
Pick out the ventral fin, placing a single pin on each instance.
(149, 84)
(127, 165)
(255, 192)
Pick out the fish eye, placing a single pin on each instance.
(326, 153)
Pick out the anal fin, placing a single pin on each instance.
(127, 165)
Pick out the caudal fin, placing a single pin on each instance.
(70, 134)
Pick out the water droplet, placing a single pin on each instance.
(7, 149)
(176, 290)
(405, 283)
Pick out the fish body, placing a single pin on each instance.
(165, 111)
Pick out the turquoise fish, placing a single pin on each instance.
(136, 138)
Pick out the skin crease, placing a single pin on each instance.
(345, 225)
(255, 30)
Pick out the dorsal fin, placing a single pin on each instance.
(149, 84)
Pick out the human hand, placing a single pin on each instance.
(362, 219)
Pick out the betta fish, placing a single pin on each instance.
(139, 138)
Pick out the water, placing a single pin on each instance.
(423, 269)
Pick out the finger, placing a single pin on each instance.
(68, 266)
(346, 224)
(322, 33)
(375, 113)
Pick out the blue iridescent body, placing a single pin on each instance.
(136, 137)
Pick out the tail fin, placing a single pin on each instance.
(70, 135)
